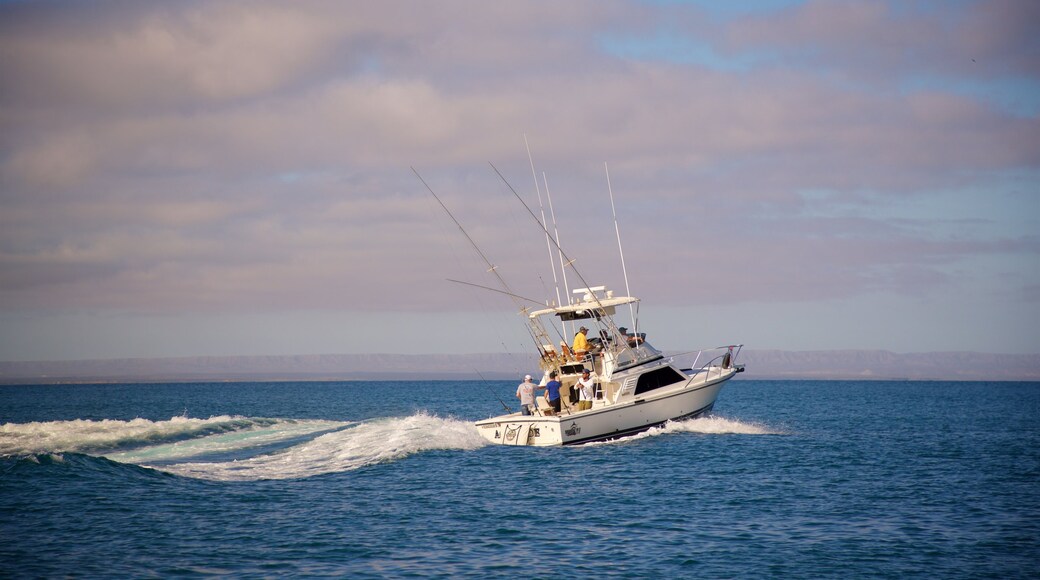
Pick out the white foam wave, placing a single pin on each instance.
(366, 443)
(96, 437)
(710, 425)
(716, 425)
(249, 439)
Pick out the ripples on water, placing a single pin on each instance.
(389, 479)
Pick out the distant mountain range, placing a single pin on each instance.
(761, 364)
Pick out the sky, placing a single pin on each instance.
(235, 178)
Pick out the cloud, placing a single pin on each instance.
(233, 156)
(149, 56)
(875, 40)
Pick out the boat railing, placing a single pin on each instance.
(722, 358)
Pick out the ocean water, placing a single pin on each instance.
(389, 479)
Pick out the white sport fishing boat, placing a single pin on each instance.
(637, 386)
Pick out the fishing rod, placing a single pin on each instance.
(492, 391)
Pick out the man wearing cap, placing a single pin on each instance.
(633, 339)
(525, 392)
(586, 390)
(581, 343)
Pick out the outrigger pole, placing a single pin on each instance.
(491, 267)
(533, 216)
(569, 261)
(617, 230)
(556, 231)
(548, 237)
(538, 302)
(567, 332)
(548, 244)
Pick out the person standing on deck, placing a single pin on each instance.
(552, 392)
(586, 390)
(525, 392)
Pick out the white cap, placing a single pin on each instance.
(527, 377)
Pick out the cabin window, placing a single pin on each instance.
(572, 369)
(661, 377)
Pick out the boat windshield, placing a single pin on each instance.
(637, 354)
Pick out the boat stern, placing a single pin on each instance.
(520, 430)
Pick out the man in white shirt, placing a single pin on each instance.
(586, 390)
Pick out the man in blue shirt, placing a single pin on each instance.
(552, 392)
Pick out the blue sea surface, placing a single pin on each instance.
(389, 479)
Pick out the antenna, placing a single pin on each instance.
(548, 244)
(556, 230)
(617, 230)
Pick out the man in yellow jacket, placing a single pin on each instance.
(581, 343)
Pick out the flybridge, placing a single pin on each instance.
(596, 302)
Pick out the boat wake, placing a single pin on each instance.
(240, 448)
(233, 448)
(716, 425)
(366, 443)
(709, 425)
(142, 438)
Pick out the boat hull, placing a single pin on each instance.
(606, 422)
